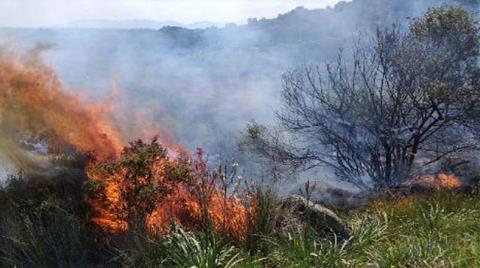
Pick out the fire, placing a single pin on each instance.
(33, 104)
(449, 181)
(136, 186)
(188, 196)
(227, 215)
(440, 181)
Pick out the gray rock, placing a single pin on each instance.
(332, 195)
(296, 214)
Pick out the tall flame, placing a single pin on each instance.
(34, 105)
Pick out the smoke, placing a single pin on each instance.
(38, 119)
(41, 121)
(199, 86)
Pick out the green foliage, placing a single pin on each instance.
(302, 250)
(177, 249)
(446, 22)
(261, 225)
(437, 231)
(43, 236)
(186, 250)
(427, 232)
(369, 230)
(142, 187)
(137, 249)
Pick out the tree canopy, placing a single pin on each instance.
(404, 102)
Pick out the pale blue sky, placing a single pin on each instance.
(44, 13)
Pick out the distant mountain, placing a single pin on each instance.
(203, 25)
(137, 24)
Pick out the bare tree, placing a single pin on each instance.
(407, 101)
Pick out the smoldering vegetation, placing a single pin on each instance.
(221, 78)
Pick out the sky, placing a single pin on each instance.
(45, 13)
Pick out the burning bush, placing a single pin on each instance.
(141, 187)
(146, 189)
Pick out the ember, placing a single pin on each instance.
(440, 181)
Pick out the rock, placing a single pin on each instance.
(334, 195)
(295, 214)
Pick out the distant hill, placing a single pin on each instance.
(137, 24)
(333, 26)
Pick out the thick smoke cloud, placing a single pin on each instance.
(205, 85)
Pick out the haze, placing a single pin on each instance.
(48, 13)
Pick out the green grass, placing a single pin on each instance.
(438, 231)
(442, 230)
(46, 236)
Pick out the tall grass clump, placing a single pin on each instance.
(261, 222)
(418, 231)
(44, 236)
(303, 250)
(186, 250)
(179, 248)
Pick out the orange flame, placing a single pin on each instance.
(227, 215)
(440, 181)
(192, 202)
(33, 103)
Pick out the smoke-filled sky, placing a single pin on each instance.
(44, 13)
